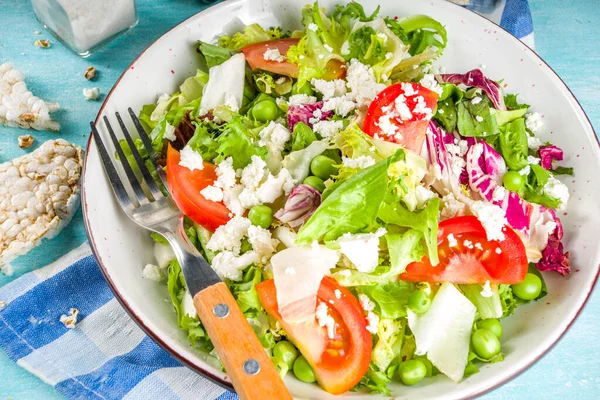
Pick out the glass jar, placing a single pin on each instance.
(84, 26)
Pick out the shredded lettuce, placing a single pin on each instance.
(145, 119)
(266, 83)
(391, 298)
(237, 142)
(302, 136)
(251, 34)
(422, 32)
(488, 307)
(475, 119)
(447, 114)
(513, 144)
(213, 54)
(386, 352)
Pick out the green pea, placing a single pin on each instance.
(315, 182)
(427, 363)
(265, 111)
(412, 372)
(280, 365)
(323, 167)
(492, 325)
(303, 370)
(513, 181)
(529, 289)
(485, 343)
(419, 302)
(304, 89)
(286, 351)
(261, 216)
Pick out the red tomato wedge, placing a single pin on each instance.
(401, 120)
(255, 55)
(339, 363)
(468, 257)
(185, 187)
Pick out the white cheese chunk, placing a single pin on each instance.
(492, 217)
(362, 249)
(190, 159)
(558, 190)
(226, 81)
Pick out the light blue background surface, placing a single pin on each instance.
(565, 37)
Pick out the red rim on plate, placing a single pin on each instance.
(225, 383)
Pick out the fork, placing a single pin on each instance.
(251, 371)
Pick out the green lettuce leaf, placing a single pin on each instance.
(236, 141)
(352, 207)
(213, 54)
(252, 34)
(422, 32)
(386, 351)
(267, 83)
(488, 307)
(245, 293)
(145, 119)
(425, 221)
(302, 136)
(204, 143)
(513, 144)
(476, 120)
(376, 381)
(391, 298)
(503, 117)
(447, 114)
(511, 102)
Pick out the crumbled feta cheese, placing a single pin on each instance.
(525, 170)
(19, 108)
(91, 93)
(262, 242)
(325, 320)
(366, 303)
(478, 246)
(533, 143)
(301, 99)
(225, 174)
(152, 272)
(408, 89)
(492, 217)
(479, 118)
(431, 83)
(402, 108)
(421, 108)
(373, 321)
(231, 101)
(338, 293)
(312, 27)
(533, 160)
(340, 105)
(70, 320)
(533, 121)
(328, 129)
(254, 173)
(498, 250)
(328, 47)
(452, 242)
(25, 141)
(229, 237)
(441, 111)
(359, 162)
(274, 137)
(275, 187)
(212, 193)
(273, 55)
(468, 244)
(316, 116)
(452, 207)
(169, 132)
(227, 265)
(190, 159)
(162, 97)
(476, 100)
(558, 190)
(486, 290)
(499, 193)
(329, 89)
(231, 198)
(388, 127)
(39, 193)
(463, 146)
(362, 83)
(362, 249)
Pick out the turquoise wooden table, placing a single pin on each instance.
(565, 38)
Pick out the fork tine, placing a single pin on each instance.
(148, 145)
(111, 171)
(135, 184)
(154, 189)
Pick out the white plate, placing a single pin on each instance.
(122, 248)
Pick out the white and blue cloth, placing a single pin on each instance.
(107, 356)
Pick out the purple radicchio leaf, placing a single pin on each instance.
(307, 113)
(302, 202)
(554, 258)
(477, 79)
(559, 227)
(548, 154)
(485, 168)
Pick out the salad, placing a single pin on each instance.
(374, 217)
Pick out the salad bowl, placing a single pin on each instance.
(122, 249)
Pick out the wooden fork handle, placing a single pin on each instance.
(252, 373)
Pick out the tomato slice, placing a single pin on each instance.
(339, 363)
(185, 187)
(255, 56)
(468, 257)
(386, 120)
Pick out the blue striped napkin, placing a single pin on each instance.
(106, 355)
